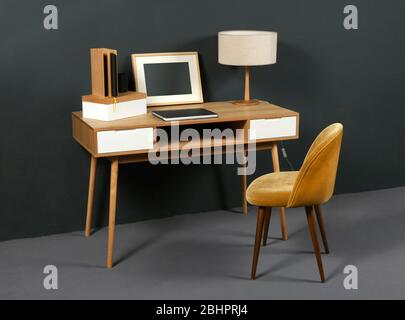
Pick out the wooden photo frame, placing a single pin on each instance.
(168, 78)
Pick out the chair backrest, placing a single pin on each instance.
(316, 179)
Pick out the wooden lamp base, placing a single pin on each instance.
(247, 101)
(250, 102)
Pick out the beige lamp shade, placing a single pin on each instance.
(247, 47)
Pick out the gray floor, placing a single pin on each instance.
(208, 256)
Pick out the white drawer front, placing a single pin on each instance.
(273, 128)
(124, 140)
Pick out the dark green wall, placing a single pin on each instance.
(326, 73)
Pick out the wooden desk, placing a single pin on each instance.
(129, 140)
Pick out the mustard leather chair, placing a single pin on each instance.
(309, 187)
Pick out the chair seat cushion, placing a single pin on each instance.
(271, 190)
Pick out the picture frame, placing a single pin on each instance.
(190, 92)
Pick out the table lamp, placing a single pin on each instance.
(247, 48)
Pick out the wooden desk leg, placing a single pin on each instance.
(90, 197)
(276, 168)
(244, 187)
(113, 205)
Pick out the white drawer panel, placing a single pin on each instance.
(124, 140)
(273, 128)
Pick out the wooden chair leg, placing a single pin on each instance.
(90, 197)
(283, 223)
(113, 204)
(315, 243)
(259, 229)
(266, 225)
(276, 168)
(321, 224)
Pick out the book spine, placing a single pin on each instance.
(114, 75)
(105, 71)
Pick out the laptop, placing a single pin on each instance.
(184, 114)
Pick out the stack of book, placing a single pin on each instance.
(105, 103)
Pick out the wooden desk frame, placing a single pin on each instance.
(85, 132)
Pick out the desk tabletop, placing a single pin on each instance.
(226, 111)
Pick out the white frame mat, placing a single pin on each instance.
(138, 61)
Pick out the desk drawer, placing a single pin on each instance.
(124, 140)
(273, 128)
